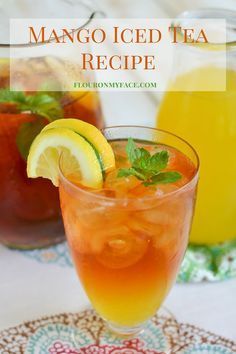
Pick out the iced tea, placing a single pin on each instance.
(29, 209)
(128, 240)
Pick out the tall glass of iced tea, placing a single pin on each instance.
(29, 209)
(128, 239)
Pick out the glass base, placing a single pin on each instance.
(127, 332)
(89, 332)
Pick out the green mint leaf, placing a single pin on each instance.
(126, 172)
(44, 105)
(135, 154)
(148, 168)
(26, 134)
(41, 104)
(16, 97)
(164, 178)
(131, 150)
(159, 161)
(142, 154)
(142, 158)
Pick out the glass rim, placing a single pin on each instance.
(92, 15)
(114, 199)
(221, 13)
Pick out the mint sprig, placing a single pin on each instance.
(39, 103)
(42, 105)
(148, 168)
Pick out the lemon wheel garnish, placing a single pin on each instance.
(92, 135)
(78, 158)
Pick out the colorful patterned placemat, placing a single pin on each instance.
(86, 333)
(201, 263)
(209, 263)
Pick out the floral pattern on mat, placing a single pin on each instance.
(58, 254)
(209, 263)
(201, 263)
(85, 333)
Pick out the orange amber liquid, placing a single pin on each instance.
(127, 252)
(29, 208)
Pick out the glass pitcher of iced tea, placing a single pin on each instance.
(29, 209)
(207, 120)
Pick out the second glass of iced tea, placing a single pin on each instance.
(128, 240)
(29, 209)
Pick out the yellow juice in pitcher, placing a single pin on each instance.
(208, 121)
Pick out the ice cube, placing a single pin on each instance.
(122, 186)
(122, 248)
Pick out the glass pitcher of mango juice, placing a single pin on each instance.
(208, 121)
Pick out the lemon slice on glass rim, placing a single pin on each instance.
(91, 134)
(77, 155)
